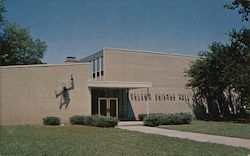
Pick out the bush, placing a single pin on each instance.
(152, 120)
(141, 116)
(77, 120)
(200, 111)
(88, 120)
(104, 121)
(51, 120)
(95, 120)
(182, 118)
(156, 119)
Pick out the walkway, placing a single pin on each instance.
(230, 141)
(130, 123)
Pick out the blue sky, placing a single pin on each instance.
(82, 27)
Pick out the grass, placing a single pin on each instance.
(240, 130)
(82, 140)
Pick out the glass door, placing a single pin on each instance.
(102, 106)
(108, 107)
(113, 107)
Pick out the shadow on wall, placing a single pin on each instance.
(131, 114)
(63, 93)
(190, 103)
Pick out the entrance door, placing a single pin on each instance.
(113, 107)
(108, 107)
(103, 105)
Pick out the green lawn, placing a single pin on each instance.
(240, 130)
(81, 140)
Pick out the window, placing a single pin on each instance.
(98, 64)
(97, 67)
(93, 65)
(101, 63)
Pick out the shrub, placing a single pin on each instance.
(95, 120)
(88, 120)
(156, 119)
(141, 116)
(243, 113)
(77, 120)
(182, 118)
(104, 121)
(200, 111)
(51, 120)
(151, 120)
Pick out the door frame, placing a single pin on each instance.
(107, 105)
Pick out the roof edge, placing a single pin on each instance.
(90, 56)
(43, 65)
(152, 52)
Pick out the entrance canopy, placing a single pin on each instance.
(119, 84)
(110, 98)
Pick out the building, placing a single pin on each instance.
(112, 82)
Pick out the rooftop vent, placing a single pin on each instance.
(70, 59)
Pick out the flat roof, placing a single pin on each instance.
(152, 52)
(44, 65)
(99, 53)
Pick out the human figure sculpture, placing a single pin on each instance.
(64, 93)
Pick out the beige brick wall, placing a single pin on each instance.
(161, 104)
(165, 71)
(160, 69)
(27, 93)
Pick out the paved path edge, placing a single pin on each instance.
(208, 138)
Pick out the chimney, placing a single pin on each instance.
(70, 59)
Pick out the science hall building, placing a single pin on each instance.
(112, 82)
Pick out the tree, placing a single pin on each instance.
(16, 44)
(2, 10)
(220, 78)
(243, 7)
(18, 47)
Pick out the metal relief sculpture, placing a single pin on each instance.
(64, 93)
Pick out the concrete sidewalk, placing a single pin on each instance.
(130, 123)
(230, 141)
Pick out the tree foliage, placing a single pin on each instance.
(242, 6)
(16, 45)
(220, 79)
(2, 10)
